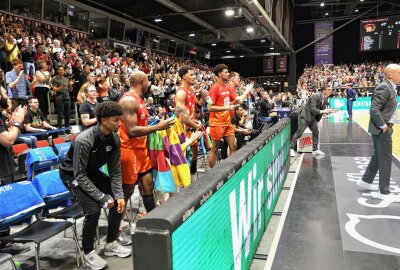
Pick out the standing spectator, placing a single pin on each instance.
(17, 84)
(12, 51)
(351, 97)
(62, 86)
(27, 53)
(42, 86)
(94, 190)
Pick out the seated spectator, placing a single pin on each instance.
(151, 107)
(81, 94)
(88, 108)
(102, 89)
(116, 90)
(169, 106)
(34, 120)
(239, 122)
(265, 109)
(7, 116)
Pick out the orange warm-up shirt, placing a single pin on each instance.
(221, 95)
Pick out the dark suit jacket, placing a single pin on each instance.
(265, 108)
(383, 106)
(312, 108)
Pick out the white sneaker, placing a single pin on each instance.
(365, 185)
(389, 197)
(94, 261)
(124, 238)
(115, 249)
(318, 152)
(292, 153)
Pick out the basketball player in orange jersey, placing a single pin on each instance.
(186, 96)
(135, 160)
(220, 113)
(234, 81)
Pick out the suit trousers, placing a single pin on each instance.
(381, 161)
(302, 126)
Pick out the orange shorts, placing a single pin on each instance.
(133, 163)
(217, 133)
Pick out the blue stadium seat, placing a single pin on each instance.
(40, 160)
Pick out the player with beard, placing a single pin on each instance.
(135, 159)
(186, 96)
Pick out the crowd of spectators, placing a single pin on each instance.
(66, 65)
(361, 77)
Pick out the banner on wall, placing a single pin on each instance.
(361, 103)
(323, 49)
(281, 64)
(268, 65)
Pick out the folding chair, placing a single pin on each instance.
(19, 208)
(62, 150)
(20, 152)
(71, 137)
(5, 257)
(42, 143)
(58, 141)
(40, 160)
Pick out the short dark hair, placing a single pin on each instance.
(29, 100)
(324, 87)
(108, 109)
(183, 70)
(219, 68)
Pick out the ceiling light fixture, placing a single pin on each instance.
(158, 19)
(192, 34)
(322, 4)
(262, 41)
(326, 14)
(228, 51)
(214, 44)
(356, 10)
(250, 29)
(229, 12)
(241, 56)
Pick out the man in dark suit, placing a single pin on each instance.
(309, 116)
(383, 114)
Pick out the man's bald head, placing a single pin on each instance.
(392, 73)
(137, 77)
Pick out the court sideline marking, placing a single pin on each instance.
(278, 232)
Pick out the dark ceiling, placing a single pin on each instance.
(210, 24)
(207, 20)
(307, 11)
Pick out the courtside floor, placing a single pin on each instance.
(331, 223)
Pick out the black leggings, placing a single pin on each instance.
(41, 95)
